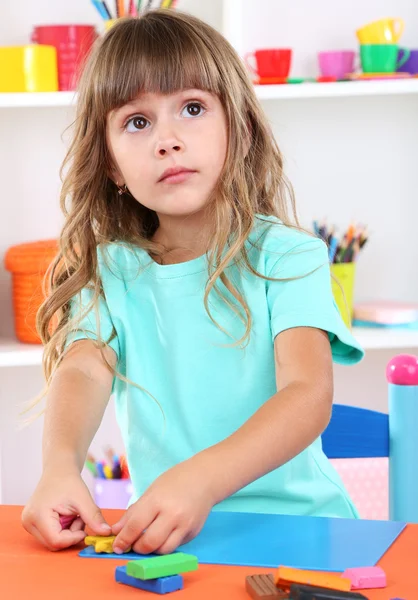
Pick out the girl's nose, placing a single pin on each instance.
(169, 146)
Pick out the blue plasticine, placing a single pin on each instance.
(162, 585)
(89, 552)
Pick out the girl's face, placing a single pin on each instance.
(169, 149)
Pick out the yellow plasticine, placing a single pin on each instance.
(102, 544)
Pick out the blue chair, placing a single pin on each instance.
(361, 433)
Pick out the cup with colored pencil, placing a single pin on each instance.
(343, 253)
(112, 486)
(124, 8)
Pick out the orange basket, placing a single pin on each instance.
(28, 264)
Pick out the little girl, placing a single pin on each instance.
(184, 286)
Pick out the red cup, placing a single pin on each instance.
(73, 44)
(272, 62)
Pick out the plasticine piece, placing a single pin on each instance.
(89, 552)
(162, 585)
(262, 586)
(285, 576)
(366, 577)
(101, 543)
(309, 592)
(162, 566)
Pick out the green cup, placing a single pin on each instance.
(381, 58)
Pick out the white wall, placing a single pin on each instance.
(347, 158)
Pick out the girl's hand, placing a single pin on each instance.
(60, 508)
(171, 512)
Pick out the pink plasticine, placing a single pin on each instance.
(366, 578)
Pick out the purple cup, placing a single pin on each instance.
(112, 493)
(411, 65)
(336, 63)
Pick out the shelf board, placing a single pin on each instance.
(14, 354)
(379, 339)
(341, 89)
(264, 92)
(37, 99)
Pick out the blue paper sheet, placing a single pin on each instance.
(260, 540)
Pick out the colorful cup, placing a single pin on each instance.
(271, 62)
(411, 65)
(336, 63)
(29, 68)
(381, 58)
(383, 31)
(112, 493)
(342, 285)
(73, 44)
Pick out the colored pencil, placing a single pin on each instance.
(342, 249)
(100, 8)
(132, 12)
(106, 8)
(120, 8)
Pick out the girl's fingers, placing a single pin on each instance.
(155, 536)
(174, 540)
(51, 534)
(77, 525)
(136, 523)
(33, 531)
(119, 525)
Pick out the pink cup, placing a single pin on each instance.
(337, 63)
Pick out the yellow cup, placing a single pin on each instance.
(343, 289)
(384, 31)
(30, 68)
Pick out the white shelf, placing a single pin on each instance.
(37, 99)
(380, 339)
(264, 92)
(339, 89)
(14, 354)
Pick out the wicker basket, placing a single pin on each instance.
(28, 264)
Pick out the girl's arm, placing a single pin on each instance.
(287, 423)
(76, 400)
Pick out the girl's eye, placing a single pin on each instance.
(136, 124)
(194, 109)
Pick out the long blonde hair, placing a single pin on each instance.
(162, 52)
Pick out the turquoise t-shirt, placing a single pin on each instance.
(167, 344)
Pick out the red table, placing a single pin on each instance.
(28, 571)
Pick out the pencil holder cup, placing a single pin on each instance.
(112, 493)
(342, 284)
(73, 44)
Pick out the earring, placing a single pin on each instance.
(122, 190)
